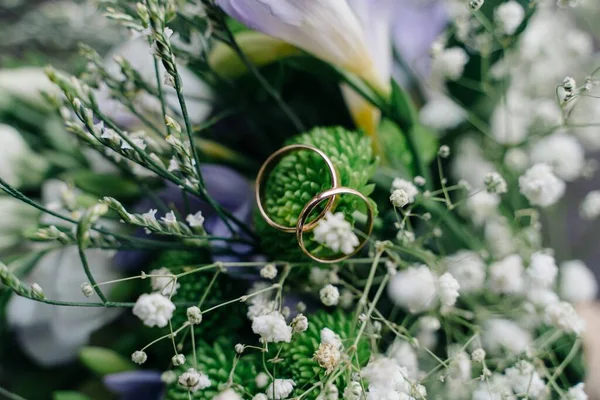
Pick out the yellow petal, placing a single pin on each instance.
(259, 48)
(365, 115)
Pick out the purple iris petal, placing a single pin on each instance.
(417, 24)
(135, 385)
(225, 186)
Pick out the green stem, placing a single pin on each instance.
(89, 274)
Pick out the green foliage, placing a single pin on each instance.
(298, 363)
(301, 175)
(104, 361)
(192, 288)
(216, 361)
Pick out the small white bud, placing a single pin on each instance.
(301, 307)
(475, 5)
(419, 180)
(478, 355)
(269, 271)
(139, 357)
(239, 348)
(194, 315)
(330, 295)
(87, 289)
(299, 324)
(444, 151)
(178, 359)
(37, 291)
(495, 183)
(168, 377)
(262, 380)
(399, 198)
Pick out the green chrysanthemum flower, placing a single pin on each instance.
(298, 357)
(299, 176)
(216, 361)
(192, 288)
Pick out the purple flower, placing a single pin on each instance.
(135, 385)
(228, 188)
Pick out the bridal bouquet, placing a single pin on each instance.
(316, 199)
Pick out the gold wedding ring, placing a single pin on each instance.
(267, 168)
(318, 199)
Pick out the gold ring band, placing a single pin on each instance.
(266, 169)
(314, 202)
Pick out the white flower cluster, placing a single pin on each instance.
(336, 233)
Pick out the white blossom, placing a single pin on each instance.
(508, 16)
(526, 380)
(561, 152)
(154, 309)
(353, 391)
(577, 282)
(441, 113)
(194, 315)
(193, 380)
(413, 289)
(299, 323)
(327, 356)
(407, 186)
(280, 389)
(403, 353)
(563, 316)
(499, 334)
(178, 359)
(450, 63)
(272, 328)
(262, 380)
(468, 268)
(506, 275)
(330, 337)
(590, 206)
(150, 217)
(164, 282)
(540, 186)
(228, 394)
(480, 206)
(329, 295)
(495, 183)
(260, 396)
(577, 392)
(384, 374)
(447, 289)
(195, 220)
(499, 237)
(478, 355)
(336, 233)
(399, 198)
(169, 218)
(269, 271)
(542, 271)
(139, 357)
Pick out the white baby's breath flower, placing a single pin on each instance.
(353, 391)
(399, 198)
(590, 206)
(178, 359)
(154, 309)
(447, 289)
(564, 317)
(260, 396)
(577, 392)
(405, 355)
(336, 233)
(540, 186)
(450, 63)
(542, 271)
(577, 282)
(503, 334)
(87, 289)
(413, 289)
(272, 328)
(194, 315)
(269, 271)
(280, 389)
(480, 206)
(516, 159)
(150, 217)
(139, 357)
(408, 187)
(441, 113)
(261, 380)
(562, 152)
(495, 183)
(506, 275)
(384, 373)
(468, 268)
(194, 380)
(327, 356)
(508, 16)
(475, 5)
(478, 355)
(169, 218)
(329, 295)
(299, 323)
(168, 377)
(195, 220)
(164, 282)
(525, 379)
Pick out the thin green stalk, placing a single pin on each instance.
(89, 274)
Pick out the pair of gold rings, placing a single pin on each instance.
(329, 195)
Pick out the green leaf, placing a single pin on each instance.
(104, 361)
(403, 110)
(69, 396)
(104, 184)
